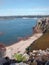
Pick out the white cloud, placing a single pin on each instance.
(21, 11)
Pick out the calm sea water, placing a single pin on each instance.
(10, 30)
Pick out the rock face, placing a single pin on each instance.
(19, 63)
(2, 50)
(47, 63)
(42, 25)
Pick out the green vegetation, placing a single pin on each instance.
(41, 43)
(20, 57)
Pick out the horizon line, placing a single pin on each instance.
(24, 15)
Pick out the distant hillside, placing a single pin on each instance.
(41, 43)
(26, 16)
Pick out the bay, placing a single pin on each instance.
(11, 30)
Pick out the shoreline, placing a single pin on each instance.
(21, 46)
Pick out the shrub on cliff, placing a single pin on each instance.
(20, 57)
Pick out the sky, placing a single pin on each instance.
(24, 7)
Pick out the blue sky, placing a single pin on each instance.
(24, 7)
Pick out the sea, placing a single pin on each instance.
(13, 29)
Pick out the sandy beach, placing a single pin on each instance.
(20, 47)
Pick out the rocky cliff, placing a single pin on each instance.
(42, 25)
